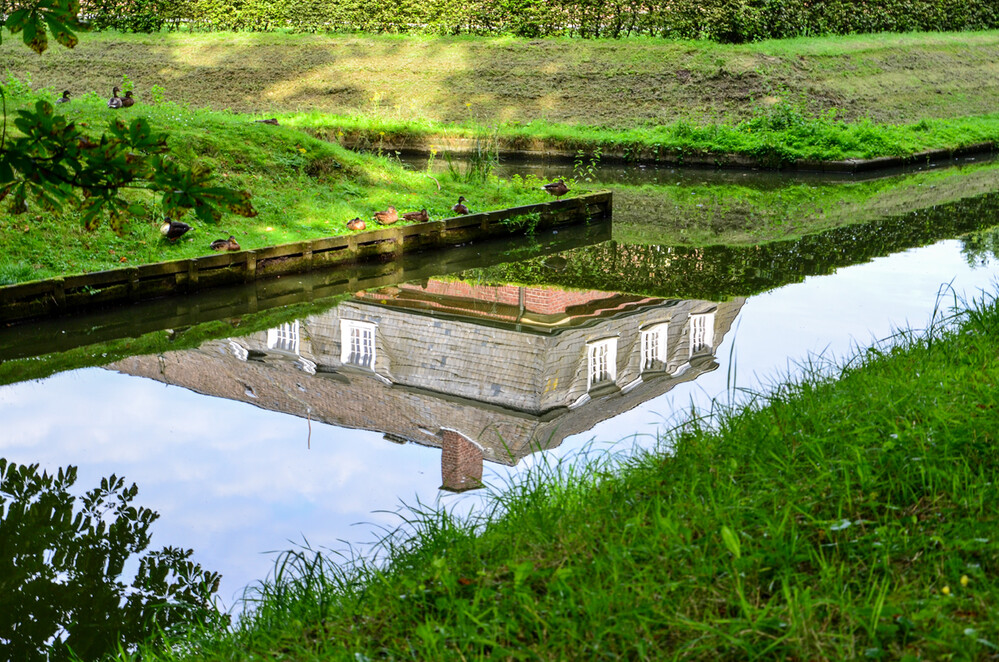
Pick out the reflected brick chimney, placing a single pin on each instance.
(461, 462)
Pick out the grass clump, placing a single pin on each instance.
(851, 513)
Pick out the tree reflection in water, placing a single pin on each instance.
(61, 592)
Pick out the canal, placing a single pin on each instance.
(312, 411)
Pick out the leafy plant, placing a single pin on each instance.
(585, 168)
(54, 163)
(525, 223)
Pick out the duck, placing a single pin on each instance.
(229, 244)
(128, 100)
(558, 189)
(173, 230)
(115, 100)
(459, 207)
(271, 120)
(422, 216)
(356, 224)
(387, 217)
(64, 98)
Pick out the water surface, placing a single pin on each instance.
(269, 432)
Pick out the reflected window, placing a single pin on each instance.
(284, 338)
(654, 346)
(601, 362)
(357, 343)
(702, 333)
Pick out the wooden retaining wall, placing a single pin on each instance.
(55, 296)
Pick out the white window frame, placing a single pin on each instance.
(357, 343)
(601, 362)
(702, 332)
(653, 345)
(285, 338)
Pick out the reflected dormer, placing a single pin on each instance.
(653, 347)
(285, 338)
(701, 327)
(601, 360)
(357, 343)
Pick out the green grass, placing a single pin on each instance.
(849, 514)
(303, 188)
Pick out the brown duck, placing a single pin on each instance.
(558, 189)
(420, 216)
(460, 208)
(387, 217)
(64, 98)
(229, 244)
(128, 101)
(356, 224)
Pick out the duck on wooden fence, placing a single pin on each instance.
(422, 216)
(558, 189)
(387, 217)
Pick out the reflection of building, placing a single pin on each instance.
(484, 372)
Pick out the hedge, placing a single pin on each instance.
(728, 21)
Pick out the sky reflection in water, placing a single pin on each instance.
(234, 482)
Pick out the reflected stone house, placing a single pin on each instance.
(483, 372)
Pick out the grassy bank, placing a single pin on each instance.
(848, 515)
(303, 188)
(823, 98)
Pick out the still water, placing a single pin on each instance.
(317, 429)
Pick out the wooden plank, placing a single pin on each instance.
(407, 231)
(96, 279)
(219, 260)
(159, 269)
(23, 291)
(459, 222)
(330, 244)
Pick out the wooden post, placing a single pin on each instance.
(133, 283)
(59, 292)
(251, 266)
(192, 274)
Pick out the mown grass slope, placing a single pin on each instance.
(626, 83)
